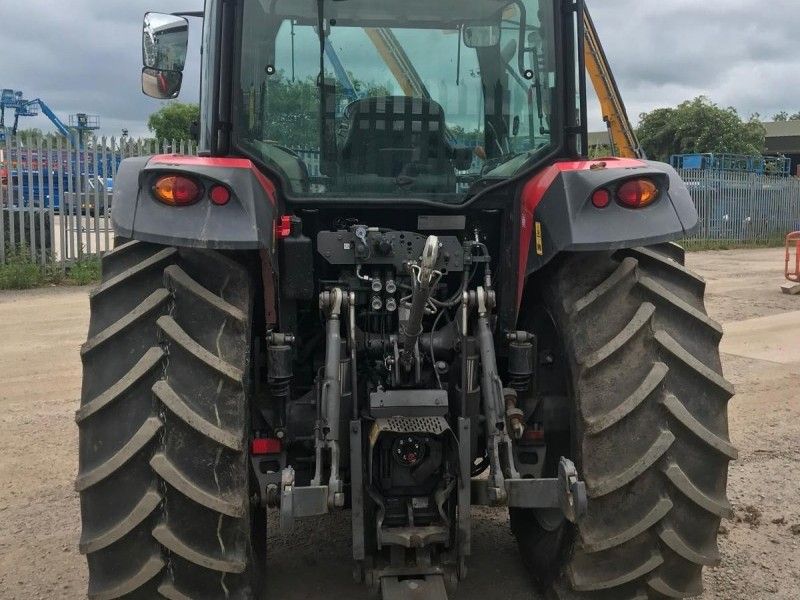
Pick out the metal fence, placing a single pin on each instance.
(743, 208)
(56, 198)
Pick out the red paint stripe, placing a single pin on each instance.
(219, 162)
(202, 161)
(533, 193)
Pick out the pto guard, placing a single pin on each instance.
(245, 222)
(557, 214)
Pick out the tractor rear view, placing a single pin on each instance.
(392, 284)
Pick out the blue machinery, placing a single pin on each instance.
(737, 163)
(14, 100)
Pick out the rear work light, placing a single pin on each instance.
(177, 190)
(637, 193)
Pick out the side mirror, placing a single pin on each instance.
(165, 39)
(481, 36)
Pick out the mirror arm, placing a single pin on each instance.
(523, 27)
(189, 13)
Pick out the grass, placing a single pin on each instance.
(700, 245)
(21, 272)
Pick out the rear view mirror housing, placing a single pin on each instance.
(481, 36)
(165, 40)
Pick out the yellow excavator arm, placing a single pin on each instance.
(623, 136)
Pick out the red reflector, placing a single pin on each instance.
(533, 435)
(637, 193)
(261, 446)
(220, 195)
(176, 190)
(601, 198)
(283, 227)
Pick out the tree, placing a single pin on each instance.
(784, 116)
(173, 121)
(33, 135)
(699, 125)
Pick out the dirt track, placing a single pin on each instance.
(40, 333)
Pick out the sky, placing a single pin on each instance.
(741, 53)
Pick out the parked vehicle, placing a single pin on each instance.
(412, 328)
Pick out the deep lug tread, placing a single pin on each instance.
(177, 278)
(651, 259)
(600, 581)
(597, 424)
(659, 511)
(171, 592)
(669, 344)
(183, 411)
(681, 547)
(596, 487)
(151, 568)
(672, 251)
(662, 587)
(649, 395)
(640, 320)
(146, 317)
(184, 484)
(177, 335)
(682, 414)
(154, 302)
(173, 543)
(143, 509)
(156, 261)
(146, 364)
(661, 293)
(626, 268)
(140, 439)
(682, 482)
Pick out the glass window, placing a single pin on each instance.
(422, 107)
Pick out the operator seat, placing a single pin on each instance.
(397, 141)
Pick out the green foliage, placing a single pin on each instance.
(84, 271)
(699, 125)
(601, 151)
(173, 121)
(286, 112)
(33, 135)
(20, 272)
(784, 116)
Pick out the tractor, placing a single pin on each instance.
(392, 283)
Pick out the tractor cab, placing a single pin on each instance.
(378, 99)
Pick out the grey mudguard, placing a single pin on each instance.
(571, 223)
(245, 222)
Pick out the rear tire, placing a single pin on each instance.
(164, 425)
(649, 429)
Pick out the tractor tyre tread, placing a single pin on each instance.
(163, 427)
(649, 427)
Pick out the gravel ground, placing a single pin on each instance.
(39, 515)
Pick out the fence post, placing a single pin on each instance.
(94, 209)
(11, 170)
(44, 199)
(62, 198)
(104, 159)
(3, 203)
(30, 200)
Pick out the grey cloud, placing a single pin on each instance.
(84, 55)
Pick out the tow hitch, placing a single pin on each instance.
(565, 492)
